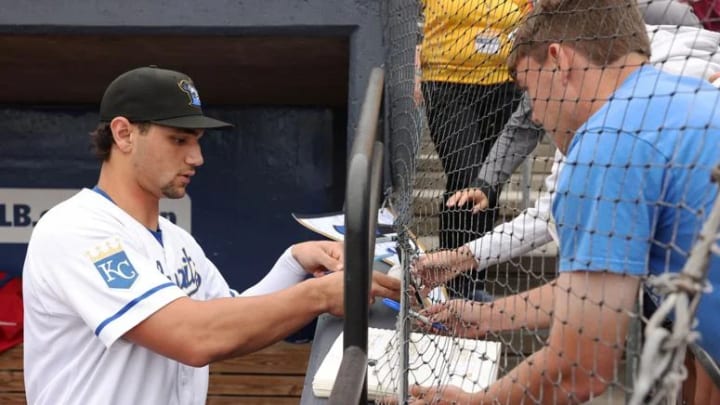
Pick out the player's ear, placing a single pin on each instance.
(122, 129)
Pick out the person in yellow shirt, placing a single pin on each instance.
(468, 95)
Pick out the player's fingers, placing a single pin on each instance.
(321, 273)
(335, 249)
(386, 281)
(330, 262)
(378, 290)
(385, 286)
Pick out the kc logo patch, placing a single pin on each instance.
(113, 265)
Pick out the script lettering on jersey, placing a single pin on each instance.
(186, 276)
(113, 265)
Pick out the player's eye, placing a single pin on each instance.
(179, 140)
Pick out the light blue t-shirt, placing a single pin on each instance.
(636, 186)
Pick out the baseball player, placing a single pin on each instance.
(124, 307)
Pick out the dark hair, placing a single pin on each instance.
(601, 30)
(102, 138)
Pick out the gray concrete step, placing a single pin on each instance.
(431, 163)
(428, 162)
(544, 148)
(437, 180)
(427, 200)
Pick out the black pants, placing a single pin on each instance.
(465, 120)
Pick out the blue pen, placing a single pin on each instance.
(384, 256)
(424, 319)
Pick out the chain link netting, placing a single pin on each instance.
(486, 197)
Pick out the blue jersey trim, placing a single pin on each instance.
(156, 234)
(129, 305)
(102, 192)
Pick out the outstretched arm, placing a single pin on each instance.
(318, 258)
(590, 319)
(296, 263)
(531, 310)
(199, 332)
(587, 338)
(527, 231)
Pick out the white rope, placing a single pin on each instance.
(663, 354)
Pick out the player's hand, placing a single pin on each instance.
(384, 286)
(439, 267)
(331, 286)
(319, 257)
(475, 196)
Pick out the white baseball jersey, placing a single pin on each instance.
(91, 274)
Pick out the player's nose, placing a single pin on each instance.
(194, 157)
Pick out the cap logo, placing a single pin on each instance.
(188, 88)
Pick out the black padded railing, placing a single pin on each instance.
(361, 208)
(349, 384)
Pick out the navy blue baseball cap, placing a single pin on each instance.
(160, 96)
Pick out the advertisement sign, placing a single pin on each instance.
(21, 208)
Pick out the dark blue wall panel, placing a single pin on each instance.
(274, 162)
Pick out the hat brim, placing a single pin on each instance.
(193, 122)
